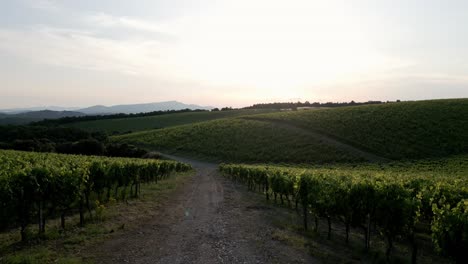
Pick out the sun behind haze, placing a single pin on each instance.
(80, 53)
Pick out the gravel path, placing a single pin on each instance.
(209, 220)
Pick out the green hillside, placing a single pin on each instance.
(237, 139)
(419, 129)
(409, 130)
(159, 121)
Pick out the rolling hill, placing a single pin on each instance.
(21, 116)
(237, 139)
(159, 121)
(37, 108)
(420, 129)
(408, 130)
(33, 116)
(115, 109)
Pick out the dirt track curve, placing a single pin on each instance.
(209, 220)
(324, 138)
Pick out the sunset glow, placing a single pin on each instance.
(270, 50)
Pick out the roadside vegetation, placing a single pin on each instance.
(65, 193)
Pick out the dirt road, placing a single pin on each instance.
(209, 220)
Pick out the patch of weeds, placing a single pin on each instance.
(112, 201)
(53, 233)
(96, 229)
(100, 211)
(29, 256)
(291, 239)
(75, 240)
(70, 261)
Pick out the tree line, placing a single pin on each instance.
(295, 105)
(65, 140)
(75, 119)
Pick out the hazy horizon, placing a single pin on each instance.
(72, 107)
(230, 53)
(77, 108)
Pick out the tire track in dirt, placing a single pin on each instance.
(207, 221)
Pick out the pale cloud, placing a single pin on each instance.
(437, 78)
(107, 20)
(270, 45)
(84, 50)
(46, 5)
(232, 49)
(243, 51)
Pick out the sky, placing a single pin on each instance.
(230, 53)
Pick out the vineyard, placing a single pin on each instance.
(399, 204)
(407, 130)
(35, 187)
(161, 121)
(239, 140)
(383, 181)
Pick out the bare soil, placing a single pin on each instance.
(208, 220)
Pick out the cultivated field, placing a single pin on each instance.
(408, 130)
(36, 188)
(383, 183)
(238, 139)
(160, 121)
(405, 203)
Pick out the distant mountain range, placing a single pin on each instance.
(37, 108)
(33, 116)
(140, 108)
(26, 115)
